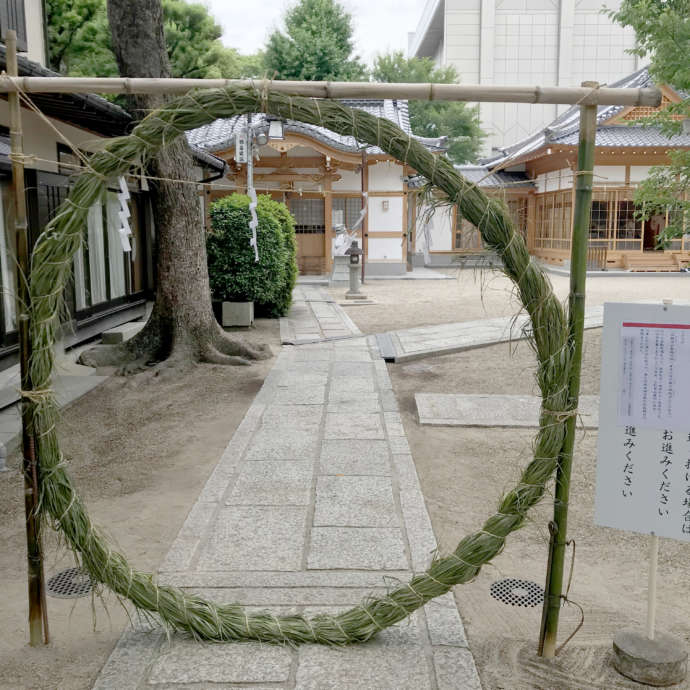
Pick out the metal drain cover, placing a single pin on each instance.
(517, 592)
(69, 584)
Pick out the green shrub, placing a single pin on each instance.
(234, 274)
(283, 298)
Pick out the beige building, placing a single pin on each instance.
(535, 176)
(523, 42)
(325, 178)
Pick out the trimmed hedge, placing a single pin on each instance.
(234, 274)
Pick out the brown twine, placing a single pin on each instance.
(37, 395)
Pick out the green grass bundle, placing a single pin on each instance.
(50, 272)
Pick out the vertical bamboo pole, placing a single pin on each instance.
(576, 317)
(38, 619)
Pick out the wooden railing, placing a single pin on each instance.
(596, 258)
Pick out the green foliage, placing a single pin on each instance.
(317, 45)
(667, 188)
(233, 272)
(79, 41)
(283, 298)
(79, 38)
(662, 28)
(457, 121)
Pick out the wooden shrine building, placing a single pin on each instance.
(323, 177)
(626, 149)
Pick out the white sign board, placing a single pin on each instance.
(643, 465)
(241, 147)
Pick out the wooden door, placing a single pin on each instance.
(310, 230)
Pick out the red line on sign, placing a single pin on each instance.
(633, 324)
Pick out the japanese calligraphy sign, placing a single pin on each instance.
(643, 465)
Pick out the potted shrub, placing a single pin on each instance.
(238, 282)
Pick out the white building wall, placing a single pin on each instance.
(463, 21)
(35, 37)
(384, 248)
(350, 181)
(386, 177)
(639, 172)
(599, 45)
(526, 53)
(439, 228)
(609, 175)
(530, 42)
(385, 214)
(42, 142)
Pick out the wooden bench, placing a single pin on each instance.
(647, 262)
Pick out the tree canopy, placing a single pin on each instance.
(317, 44)
(662, 28)
(80, 43)
(457, 121)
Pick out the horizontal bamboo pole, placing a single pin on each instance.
(340, 89)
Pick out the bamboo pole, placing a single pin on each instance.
(325, 89)
(576, 316)
(38, 617)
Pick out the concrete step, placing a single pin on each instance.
(119, 334)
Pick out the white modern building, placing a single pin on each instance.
(523, 42)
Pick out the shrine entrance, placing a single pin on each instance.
(310, 231)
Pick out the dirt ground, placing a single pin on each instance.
(479, 294)
(140, 452)
(464, 472)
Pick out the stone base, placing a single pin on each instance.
(355, 295)
(120, 334)
(340, 275)
(237, 314)
(660, 662)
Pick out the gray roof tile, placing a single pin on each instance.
(482, 176)
(565, 129)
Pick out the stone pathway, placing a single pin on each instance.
(314, 505)
(429, 341)
(453, 409)
(315, 317)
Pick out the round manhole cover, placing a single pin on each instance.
(517, 592)
(69, 584)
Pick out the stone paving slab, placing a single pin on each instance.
(453, 409)
(430, 341)
(314, 506)
(314, 317)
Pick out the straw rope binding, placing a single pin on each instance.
(50, 270)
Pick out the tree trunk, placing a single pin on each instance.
(182, 328)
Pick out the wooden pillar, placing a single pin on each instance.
(365, 201)
(328, 222)
(531, 222)
(405, 225)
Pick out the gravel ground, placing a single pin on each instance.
(478, 294)
(464, 472)
(140, 450)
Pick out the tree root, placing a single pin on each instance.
(211, 355)
(152, 350)
(234, 347)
